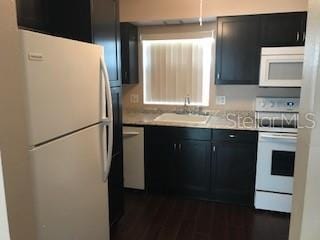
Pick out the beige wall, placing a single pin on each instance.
(305, 221)
(13, 140)
(151, 10)
(238, 97)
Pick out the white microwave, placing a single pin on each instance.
(281, 66)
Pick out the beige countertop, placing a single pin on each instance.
(230, 120)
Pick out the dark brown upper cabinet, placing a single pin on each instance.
(240, 38)
(129, 53)
(283, 29)
(32, 14)
(93, 21)
(106, 32)
(238, 50)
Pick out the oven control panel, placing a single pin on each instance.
(271, 104)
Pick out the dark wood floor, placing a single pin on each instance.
(151, 217)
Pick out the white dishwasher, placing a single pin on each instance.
(133, 157)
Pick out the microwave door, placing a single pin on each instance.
(281, 67)
(281, 71)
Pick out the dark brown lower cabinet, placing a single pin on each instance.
(177, 160)
(193, 168)
(115, 180)
(115, 187)
(233, 167)
(217, 165)
(160, 175)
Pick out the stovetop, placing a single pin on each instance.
(277, 114)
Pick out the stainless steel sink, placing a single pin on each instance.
(182, 118)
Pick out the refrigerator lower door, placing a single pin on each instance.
(71, 197)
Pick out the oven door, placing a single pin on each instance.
(275, 163)
(281, 67)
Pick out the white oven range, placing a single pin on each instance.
(277, 120)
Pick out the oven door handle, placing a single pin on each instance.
(278, 136)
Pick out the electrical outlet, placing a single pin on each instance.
(134, 98)
(220, 100)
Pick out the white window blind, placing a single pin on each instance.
(176, 68)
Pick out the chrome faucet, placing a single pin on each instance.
(187, 102)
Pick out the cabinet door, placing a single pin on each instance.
(159, 162)
(238, 50)
(106, 32)
(116, 204)
(304, 27)
(193, 168)
(234, 167)
(284, 29)
(32, 14)
(116, 94)
(115, 187)
(70, 19)
(129, 53)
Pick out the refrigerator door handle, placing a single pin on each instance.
(107, 121)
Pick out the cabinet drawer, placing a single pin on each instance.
(234, 136)
(192, 133)
(176, 133)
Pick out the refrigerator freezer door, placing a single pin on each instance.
(70, 192)
(64, 85)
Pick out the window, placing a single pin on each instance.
(176, 68)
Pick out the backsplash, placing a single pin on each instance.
(238, 97)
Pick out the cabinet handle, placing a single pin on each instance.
(218, 75)
(214, 148)
(232, 136)
(180, 147)
(304, 36)
(298, 36)
(174, 147)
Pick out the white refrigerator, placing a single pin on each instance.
(69, 112)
